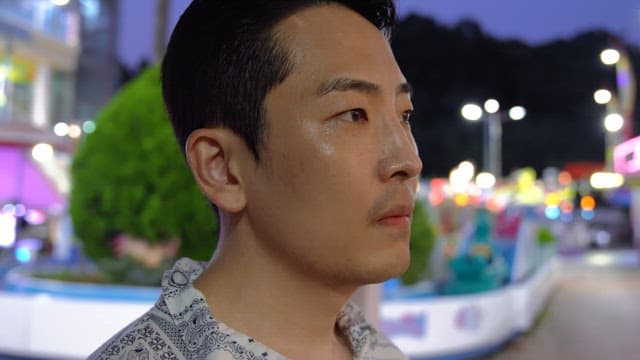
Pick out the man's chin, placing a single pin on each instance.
(386, 271)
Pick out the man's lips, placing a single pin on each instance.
(398, 215)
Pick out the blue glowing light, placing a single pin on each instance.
(23, 254)
(552, 212)
(587, 214)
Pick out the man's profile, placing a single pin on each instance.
(294, 118)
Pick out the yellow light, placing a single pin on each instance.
(587, 202)
(461, 199)
(606, 180)
(552, 199)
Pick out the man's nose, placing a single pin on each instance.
(400, 157)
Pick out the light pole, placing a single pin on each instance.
(620, 105)
(626, 88)
(492, 119)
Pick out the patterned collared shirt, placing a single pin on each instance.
(180, 326)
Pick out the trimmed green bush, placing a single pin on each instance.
(129, 177)
(421, 245)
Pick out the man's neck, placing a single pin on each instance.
(287, 310)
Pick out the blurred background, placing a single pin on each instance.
(526, 231)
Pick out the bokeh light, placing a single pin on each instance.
(613, 122)
(517, 113)
(491, 106)
(471, 112)
(602, 96)
(42, 152)
(610, 56)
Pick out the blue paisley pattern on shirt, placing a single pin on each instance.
(181, 327)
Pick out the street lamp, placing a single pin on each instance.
(626, 88)
(492, 130)
(610, 56)
(620, 105)
(602, 96)
(613, 122)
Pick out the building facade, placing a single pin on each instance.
(39, 50)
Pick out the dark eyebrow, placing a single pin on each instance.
(347, 84)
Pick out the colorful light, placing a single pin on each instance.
(587, 202)
(587, 214)
(436, 198)
(566, 206)
(606, 180)
(552, 199)
(35, 217)
(564, 178)
(552, 212)
(461, 199)
(75, 131)
(626, 156)
(89, 126)
(22, 254)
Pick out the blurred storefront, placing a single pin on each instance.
(39, 49)
(58, 67)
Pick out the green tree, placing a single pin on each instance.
(421, 244)
(130, 177)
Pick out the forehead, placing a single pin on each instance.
(331, 40)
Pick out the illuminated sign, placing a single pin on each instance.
(626, 157)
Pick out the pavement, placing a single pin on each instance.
(594, 314)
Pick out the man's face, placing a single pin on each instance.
(333, 192)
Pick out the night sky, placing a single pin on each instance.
(533, 21)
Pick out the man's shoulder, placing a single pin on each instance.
(145, 338)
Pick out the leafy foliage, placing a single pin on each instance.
(421, 244)
(129, 176)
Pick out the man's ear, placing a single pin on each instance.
(213, 156)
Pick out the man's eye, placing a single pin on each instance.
(355, 115)
(406, 116)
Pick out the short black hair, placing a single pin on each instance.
(223, 58)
